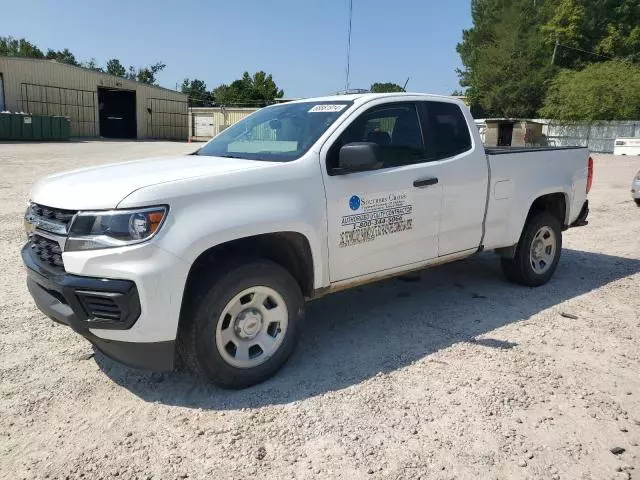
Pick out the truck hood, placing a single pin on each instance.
(105, 186)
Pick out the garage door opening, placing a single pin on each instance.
(505, 134)
(117, 113)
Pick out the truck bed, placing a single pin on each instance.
(519, 175)
(505, 150)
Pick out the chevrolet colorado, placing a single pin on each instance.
(211, 256)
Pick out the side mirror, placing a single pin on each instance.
(359, 157)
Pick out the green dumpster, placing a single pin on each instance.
(56, 128)
(46, 128)
(27, 127)
(20, 126)
(65, 128)
(5, 126)
(37, 127)
(16, 127)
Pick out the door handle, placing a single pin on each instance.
(425, 182)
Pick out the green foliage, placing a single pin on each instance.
(92, 65)
(197, 92)
(387, 87)
(114, 67)
(142, 74)
(12, 47)
(601, 91)
(62, 56)
(257, 90)
(145, 74)
(508, 52)
(610, 28)
(506, 65)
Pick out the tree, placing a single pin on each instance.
(601, 91)
(591, 31)
(141, 74)
(508, 53)
(387, 87)
(114, 67)
(197, 92)
(92, 65)
(62, 56)
(506, 65)
(148, 74)
(12, 47)
(257, 90)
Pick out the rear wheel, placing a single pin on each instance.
(537, 253)
(637, 200)
(244, 326)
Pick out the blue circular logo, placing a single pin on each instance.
(354, 202)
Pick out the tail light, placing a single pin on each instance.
(590, 175)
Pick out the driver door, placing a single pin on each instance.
(387, 218)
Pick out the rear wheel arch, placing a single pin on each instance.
(555, 203)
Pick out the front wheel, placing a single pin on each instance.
(245, 324)
(637, 200)
(537, 253)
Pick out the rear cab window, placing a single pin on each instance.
(445, 130)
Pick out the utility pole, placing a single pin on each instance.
(349, 45)
(555, 50)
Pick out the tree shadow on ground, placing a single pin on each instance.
(351, 336)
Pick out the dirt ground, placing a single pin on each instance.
(461, 375)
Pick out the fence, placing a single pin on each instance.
(597, 136)
(206, 122)
(167, 119)
(80, 106)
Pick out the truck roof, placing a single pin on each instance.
(364, 97)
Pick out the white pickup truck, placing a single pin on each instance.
(210, 256)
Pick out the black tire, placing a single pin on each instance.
(519, 269)
(197, 336)
(637, 200)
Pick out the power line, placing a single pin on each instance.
(583, 51)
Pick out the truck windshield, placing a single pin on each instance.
(276, 134)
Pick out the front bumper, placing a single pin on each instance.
(635, 190)
(67, 299)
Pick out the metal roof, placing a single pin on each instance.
(88, 70)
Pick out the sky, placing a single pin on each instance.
(302, 43)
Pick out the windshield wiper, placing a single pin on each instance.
(228, 156)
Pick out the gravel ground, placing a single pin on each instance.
(460, 375)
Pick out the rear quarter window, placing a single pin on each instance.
(445, 130)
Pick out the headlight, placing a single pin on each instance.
(114, 228)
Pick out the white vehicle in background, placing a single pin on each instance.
(635, 188)
(211, 256)
(627, 146)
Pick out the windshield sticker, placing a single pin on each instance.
(324, 108)
(369, 218)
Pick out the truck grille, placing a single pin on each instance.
(56, 214)
(47, 251)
